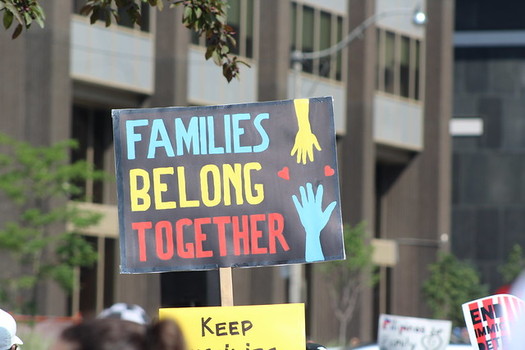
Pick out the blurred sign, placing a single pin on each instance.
(385, 253)
(495, 322)
(466, 127)
(411, 333)
(260, 327)
(224, 186)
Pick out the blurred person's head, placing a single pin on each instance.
(125, 311)
(111, 334)
(314, 346)
(8, 337)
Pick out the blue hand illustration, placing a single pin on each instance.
(313, 219)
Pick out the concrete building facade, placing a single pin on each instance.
(489, 149)
(392, 89)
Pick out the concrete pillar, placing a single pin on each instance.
(171, 59)
(358, 149)
(274, 50)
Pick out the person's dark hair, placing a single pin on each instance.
(165, 335)
(116, 334)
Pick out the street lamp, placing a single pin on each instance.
(419, 18)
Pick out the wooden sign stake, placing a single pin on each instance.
(226, 282)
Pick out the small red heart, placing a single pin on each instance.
(284, 173)
(328, 171)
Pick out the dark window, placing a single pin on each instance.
(249, 29)
(339, 56)
(234, 20)
(124, 18)
(390, 62)
(93, 130)
(308, 36)
(325, 41)
(489, 15)
(314, 30)
(294, 27)
(404, 67)
(417, 69)
(398, 64)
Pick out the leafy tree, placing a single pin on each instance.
(451, 283)
(514, 265)
(24, 11)
(40, 234)
(206, 17)
(345, 277)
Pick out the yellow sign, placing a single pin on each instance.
(259, 327)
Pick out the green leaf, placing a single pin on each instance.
(12, 8)
(227, 73)
(40, 21)
(188, 11)
(198, 12)
(86, 10)
(8, 19)
(217, 58)
(94, 16)
(17, 32)
(209, 52)
(108, 20)
(28, 19)
(37, 9)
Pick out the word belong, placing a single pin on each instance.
(218, 185)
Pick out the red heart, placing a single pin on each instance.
(328, 171)
(284, 173)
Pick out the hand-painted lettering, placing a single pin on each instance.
(235, 235)
(230, 184)
(198, 135)
(139, 197)
(224, 328)
(159, 139)
(159, 187)
(141, 228)
(131, 137)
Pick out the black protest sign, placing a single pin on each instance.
(224, 186)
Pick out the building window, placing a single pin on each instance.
(404, 67)
(313, 30)
(325, 41)
(93, 130)
(417, 65)
(398, 64)
(390, 62)
(96, 284)
(339, 56)
(307, 32)
(124, 19)
(241, 17)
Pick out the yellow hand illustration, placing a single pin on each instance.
(305, 140)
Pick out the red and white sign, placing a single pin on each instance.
(492, 321)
